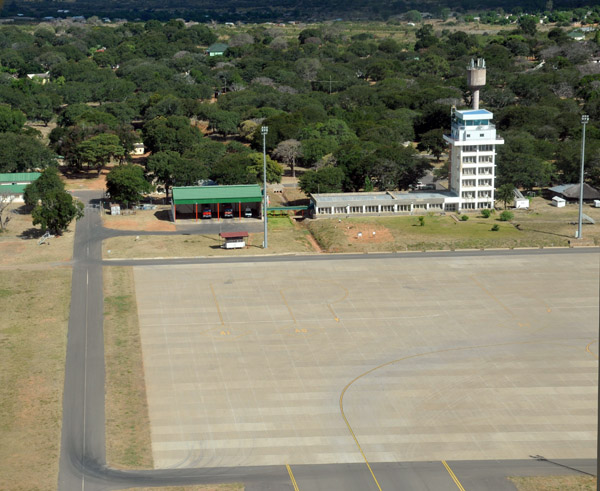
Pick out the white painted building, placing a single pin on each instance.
(472, 151)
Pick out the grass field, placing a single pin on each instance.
(541, 226)
(128, 442)
(19, 242)
(34, 310)
(284, 237)
(555, 483)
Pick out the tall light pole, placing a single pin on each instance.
(263, 131)
(584, 120)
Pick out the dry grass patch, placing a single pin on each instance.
(555, 483)
(284, 237)
(34, 311)
(541, 226)
(19, 243)
(128, 440)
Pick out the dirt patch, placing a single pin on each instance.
(10, 249)
(45, 130)
(143, 220)
(372, 233)
(86, 180)
(314, 243)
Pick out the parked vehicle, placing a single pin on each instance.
(228, 211)
(248, 212)
(206, 212)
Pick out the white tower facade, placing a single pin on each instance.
(472, 149)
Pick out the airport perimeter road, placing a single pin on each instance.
(82, 462)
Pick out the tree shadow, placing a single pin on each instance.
(30, 233)
(518, 227)
(163, 215)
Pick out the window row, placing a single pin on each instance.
(472, 194)
(471, 183)
(480, 148)
(482, 159)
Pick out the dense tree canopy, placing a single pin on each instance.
(341, 103)
(126, 184)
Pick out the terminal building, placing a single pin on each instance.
(472, 155)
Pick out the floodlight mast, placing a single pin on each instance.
(584, 120)
(263, 131)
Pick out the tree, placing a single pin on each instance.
(325, 180)
(11, 120)
(21, 153)
(505, 193)
(255, 167)
(397, 167)
(527, 24)
(56, 211)
(413, 16)
(171, 169)
(99, 149)
(433, 142)
(224, 122)
(425, 37)
(232, 169)
(171, 133)
(126, 183)
(4, 216)
(289, 151)
(48, 181)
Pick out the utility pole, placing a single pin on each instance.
(263, 131)
(584, 120)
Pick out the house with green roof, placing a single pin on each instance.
(13, 184)
(216, 49)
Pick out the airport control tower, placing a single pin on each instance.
(472, 151)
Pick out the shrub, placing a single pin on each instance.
(422, 221)
(485, 213)
(506, 216)
(495, 227)
(464, 218)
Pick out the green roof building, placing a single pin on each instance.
(13, 184)
(216, 49)
(217, 201)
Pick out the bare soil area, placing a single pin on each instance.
(143, 220)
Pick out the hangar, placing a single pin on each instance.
(217, 202)
(12, 185)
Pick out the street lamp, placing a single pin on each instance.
(584, 120)
(263, 131)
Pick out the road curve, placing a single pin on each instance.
(83, 453)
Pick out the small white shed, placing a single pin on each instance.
(559, 202)
(522, 203)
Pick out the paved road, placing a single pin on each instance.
(83, 456)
